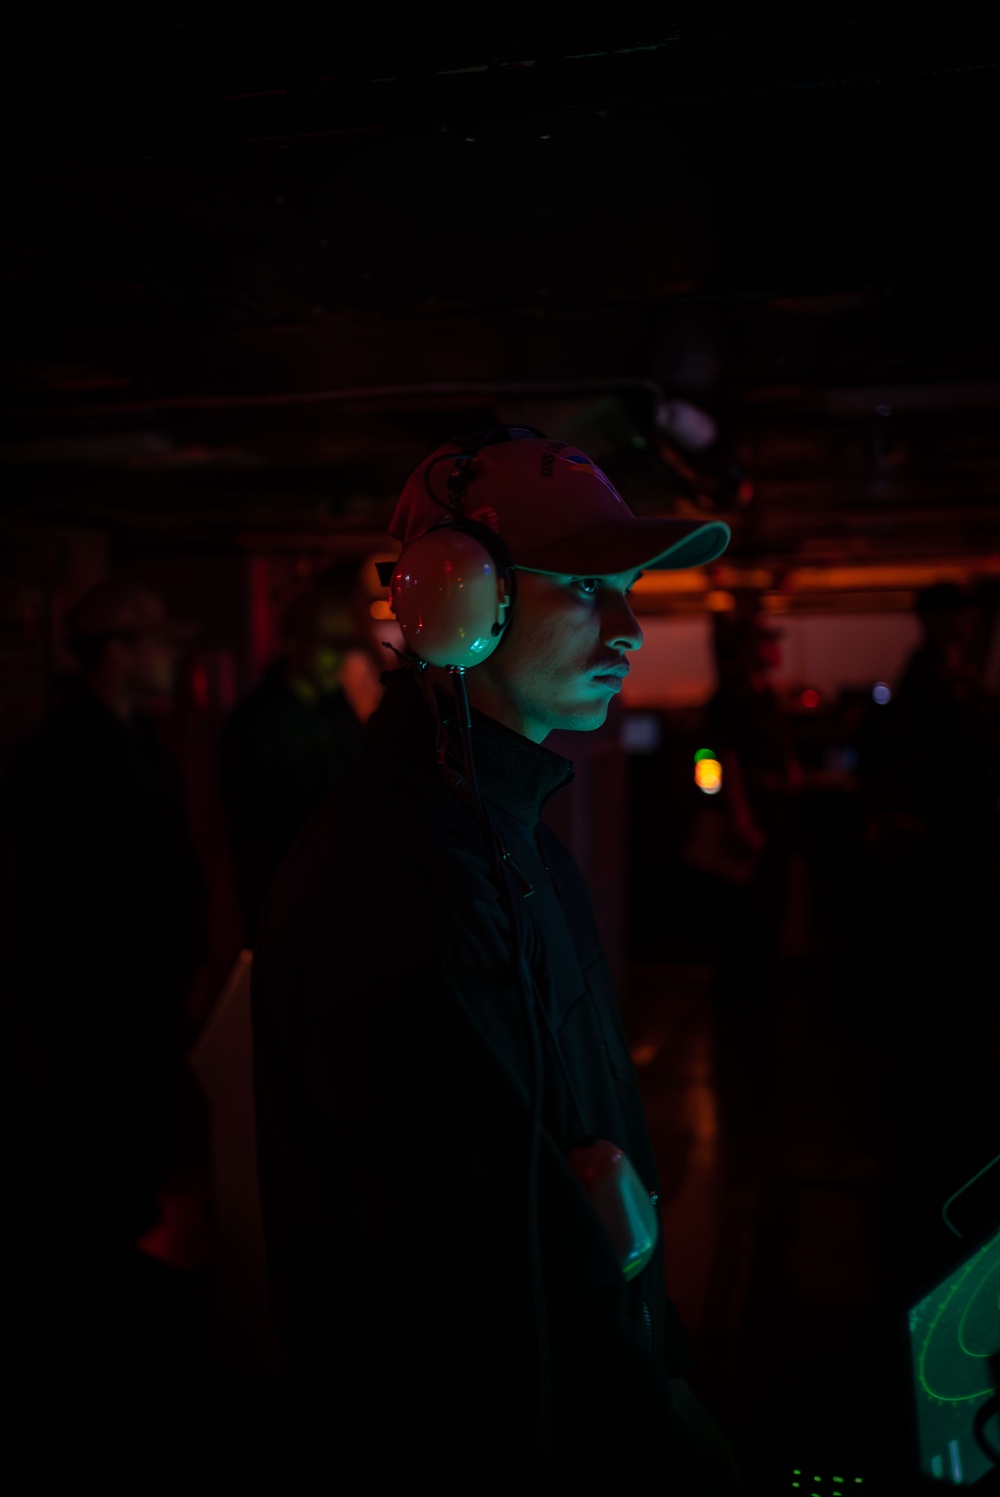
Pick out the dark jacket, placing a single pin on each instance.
(393, 1076)
(109, 902)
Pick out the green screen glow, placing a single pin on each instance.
(953, 1332)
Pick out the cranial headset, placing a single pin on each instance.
(452, 590)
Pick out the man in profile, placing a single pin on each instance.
(428, 975)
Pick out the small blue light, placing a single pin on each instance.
(881, 693)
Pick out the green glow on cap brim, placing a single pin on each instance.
(695, 550)
(635, 545)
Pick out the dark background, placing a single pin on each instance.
(255, 265)
(221, 226)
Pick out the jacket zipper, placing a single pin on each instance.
(647, 1315)
(648, 1326)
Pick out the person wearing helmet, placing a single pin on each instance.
(459, 1195)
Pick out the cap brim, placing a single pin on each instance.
(632, 545)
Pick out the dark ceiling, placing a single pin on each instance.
(256, 265)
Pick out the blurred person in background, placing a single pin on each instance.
(292, 738)
(946, 780)
(109, 910)
(931, 779)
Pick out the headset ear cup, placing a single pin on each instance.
(451, 594)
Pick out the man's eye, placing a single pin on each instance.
(587, 585)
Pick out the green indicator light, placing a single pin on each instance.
(704, 754)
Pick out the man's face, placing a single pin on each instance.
(564, 654)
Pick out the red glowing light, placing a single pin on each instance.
(809, 697)
(199, 687)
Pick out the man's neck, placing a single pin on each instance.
(491, 701)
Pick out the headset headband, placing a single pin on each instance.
(469, 447)
(458, 482)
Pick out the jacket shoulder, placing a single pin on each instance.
(394, 867)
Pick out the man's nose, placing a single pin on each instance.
(621, 627)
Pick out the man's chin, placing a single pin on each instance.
(585, 719)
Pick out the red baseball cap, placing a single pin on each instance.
(553, 508)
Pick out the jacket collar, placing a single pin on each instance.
(515, 775)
